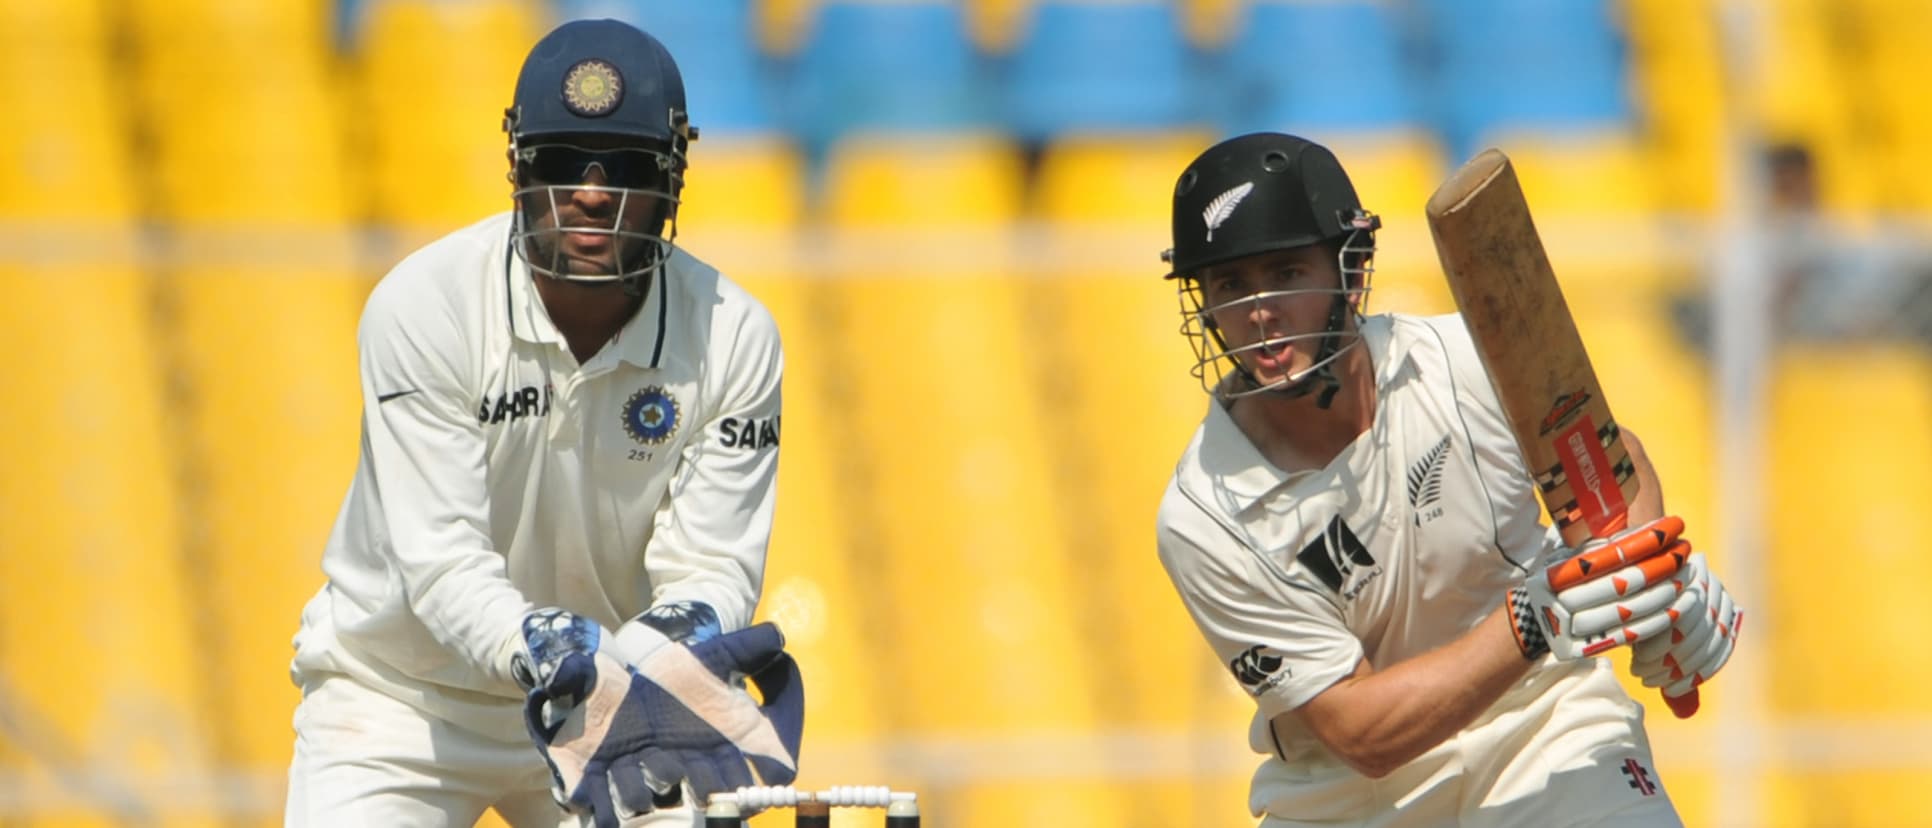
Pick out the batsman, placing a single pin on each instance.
(1356, 533)
(540, 581)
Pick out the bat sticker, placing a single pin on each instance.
(1565, 407)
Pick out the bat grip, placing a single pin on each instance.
(1685, 705)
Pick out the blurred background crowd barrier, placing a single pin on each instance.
(955, 212)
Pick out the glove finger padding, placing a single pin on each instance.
(1701, 642)
(1598, 558)
(1633, 592)
(1610, 586)
(746, 651)
(783, 689)
(630, 786)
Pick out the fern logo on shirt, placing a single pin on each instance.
(1425, 482)
(1340, 559)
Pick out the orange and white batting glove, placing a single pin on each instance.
(1605, 594)
(1703, 633)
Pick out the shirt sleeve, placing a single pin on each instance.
(1283, 642)
(428, 455)
(715, 524)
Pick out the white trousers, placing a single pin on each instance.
(364, 758)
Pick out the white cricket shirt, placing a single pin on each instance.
(1404, 542)
(497, 474)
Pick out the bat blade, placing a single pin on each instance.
(1513, 306)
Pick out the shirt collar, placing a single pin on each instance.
(640, 342)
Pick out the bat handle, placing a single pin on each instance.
(1685, 705)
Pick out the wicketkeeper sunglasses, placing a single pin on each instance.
(637, 169)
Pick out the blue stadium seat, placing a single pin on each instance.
(1497, 67)
(1099, 67)
(905, 66)
(1320, 67)
(724, 80)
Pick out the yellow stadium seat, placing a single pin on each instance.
(272, 428)
(64, 149)
(1800, 96)
(1846, 470)
(269, 154)
(1209, 23)
(1591, 174)
(897, 181)
(1678, 73)
(104, 654)
(242, 112)
(81, 24)
(433, 81)
(1857, 788)
(820, 586)
(1394, 173)
(1889, 55)
(995, 26)
(186, 24)
(1087, 180)
(960, 534)
(742, 181)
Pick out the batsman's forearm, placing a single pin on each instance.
(1378, 721)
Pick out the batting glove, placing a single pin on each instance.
(1602, 595)
(619, 739)
(1703, 633)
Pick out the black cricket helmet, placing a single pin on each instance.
(606, 84)
(1256, 194)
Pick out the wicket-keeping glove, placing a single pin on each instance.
(619, 739)
(1704, 631)
(1602, 595)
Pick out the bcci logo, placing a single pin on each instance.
(592, 88)
(651, 416)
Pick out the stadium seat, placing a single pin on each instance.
(1106, 330)
(65, 153)
(822, 583)
(1845, 469)
(894, 181)
(742, 180)
(1887, 51)
(713, 42)
(272, 431)
(974, 556)
(1115, 181)
(102, 648)
(1326, 67)
(80, 24)
(1677, 71)
(1800, 97)
(933, 350)
(432, 83)
(1209, 24)
(1067, 74)
(267, 148)
(1491, 76)
(884, 66)
(1580, 174)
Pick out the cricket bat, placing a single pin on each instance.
(1510, 300)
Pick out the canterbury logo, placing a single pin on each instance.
(1425, 477)
(1223, 205)
(1257, 668)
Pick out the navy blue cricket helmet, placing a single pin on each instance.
(598, 97)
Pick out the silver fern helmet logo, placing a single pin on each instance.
(1223, 205)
